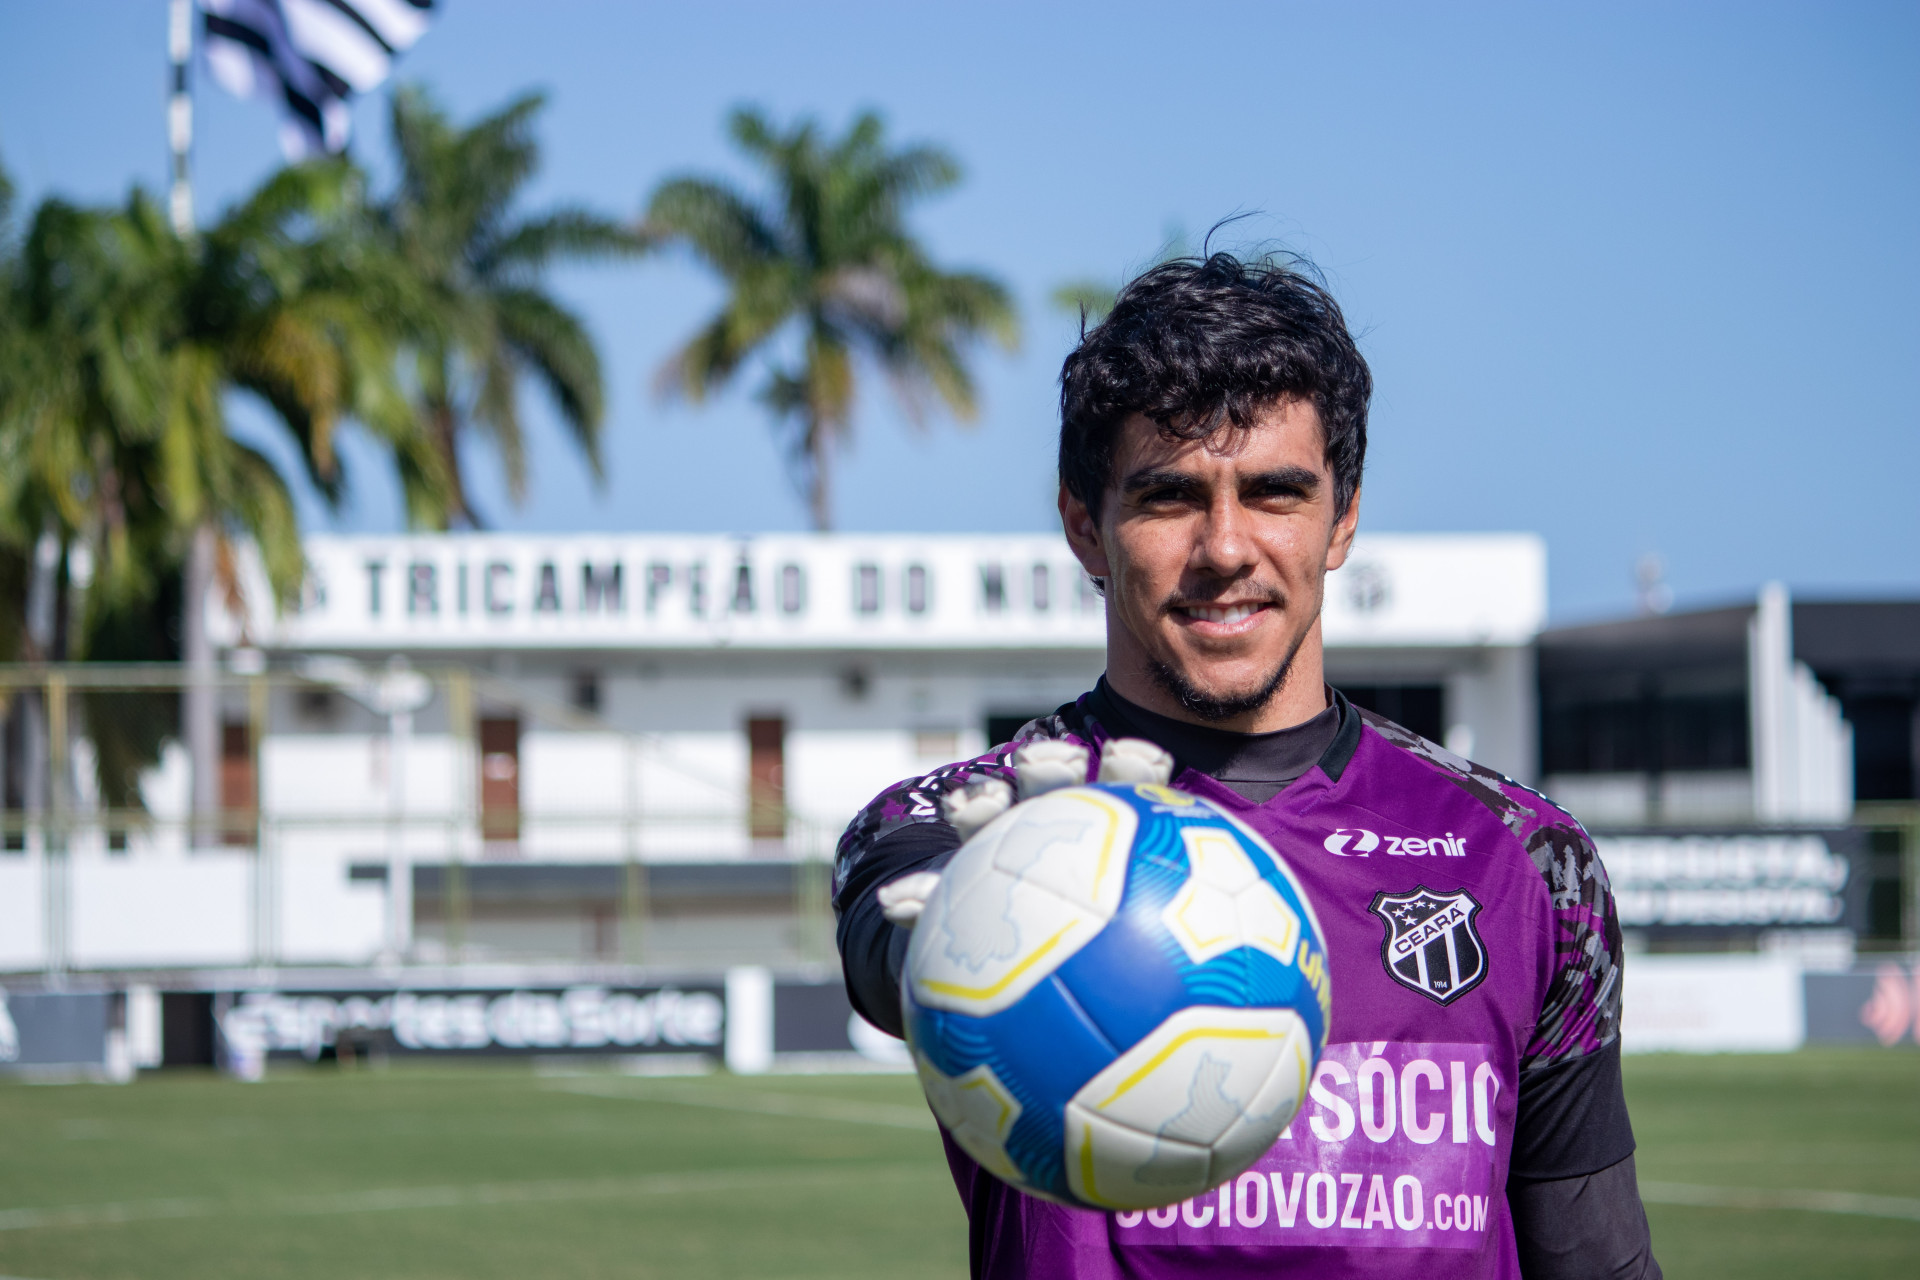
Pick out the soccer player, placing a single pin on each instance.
(1467, 1118)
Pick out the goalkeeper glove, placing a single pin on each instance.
(1038, 767)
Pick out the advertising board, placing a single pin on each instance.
(256, 1025)
(1708, 885)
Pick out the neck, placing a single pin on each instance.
(1300, 697)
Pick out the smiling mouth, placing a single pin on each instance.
(1222, 614)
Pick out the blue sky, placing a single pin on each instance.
(1637, 277)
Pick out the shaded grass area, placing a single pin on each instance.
(484, 1172)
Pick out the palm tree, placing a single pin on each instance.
(124, 341)
(488, 322)
(822, 273)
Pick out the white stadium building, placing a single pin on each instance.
(485, 794)
(641, 748)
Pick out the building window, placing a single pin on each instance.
(917, 594)
(13, 773)
(586, 692)
(993, 588)
(1419, 707)
(1884, 729)
(499, 779)
(793, 588)
(866, 588)
(317, 706)
(767, 778)
(239, 795)
(1002, 725)
(1644, 722)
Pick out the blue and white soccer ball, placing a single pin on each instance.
(1116, 996)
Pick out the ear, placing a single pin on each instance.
(1341, 543)
(1083, 535)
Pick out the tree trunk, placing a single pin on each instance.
(200, 699)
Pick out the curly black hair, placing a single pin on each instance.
(1202, 344)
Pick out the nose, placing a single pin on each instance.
(1224, 545)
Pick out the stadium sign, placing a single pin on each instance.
(493, 591)
(1763, 879)
(585, 1019)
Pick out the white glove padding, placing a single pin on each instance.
(1040, 767)
(902, 900)
(1135, 760)
(975, 805)
(968, 809)
(1048, 765)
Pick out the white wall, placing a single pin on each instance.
(22, 916)
(1713, 1004)
(162, 909)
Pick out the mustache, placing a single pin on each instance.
(1212, 590)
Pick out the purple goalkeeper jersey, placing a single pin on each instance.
(1475, 964)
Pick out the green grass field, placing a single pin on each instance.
(498, 1172)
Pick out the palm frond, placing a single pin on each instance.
(263, 507)
(555, 345)
(721, 226)
(568, 232)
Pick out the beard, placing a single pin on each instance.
(1215, 707)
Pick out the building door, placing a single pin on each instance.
(499, 778)
(767, 778)
(239, 784)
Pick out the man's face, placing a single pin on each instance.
(1215, 554)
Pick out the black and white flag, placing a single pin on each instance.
(309, 56)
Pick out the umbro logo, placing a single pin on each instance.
(1358, 842)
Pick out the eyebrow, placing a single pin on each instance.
(1278, 478)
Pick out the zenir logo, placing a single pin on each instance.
(1366, 842)
(1358, 842)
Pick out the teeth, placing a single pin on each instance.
(1233, 614)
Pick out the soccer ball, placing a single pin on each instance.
(1116, 996)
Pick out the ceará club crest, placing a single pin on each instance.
(1432, 945)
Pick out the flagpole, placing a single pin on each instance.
(180, 114)
(200, 710)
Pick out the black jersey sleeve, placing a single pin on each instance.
(873, 950)
(1571, 1186)
(1588, 1228)
(900, 832)
(1572, 1112)
(1571, 1118)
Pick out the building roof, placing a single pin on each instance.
(1706, 636)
